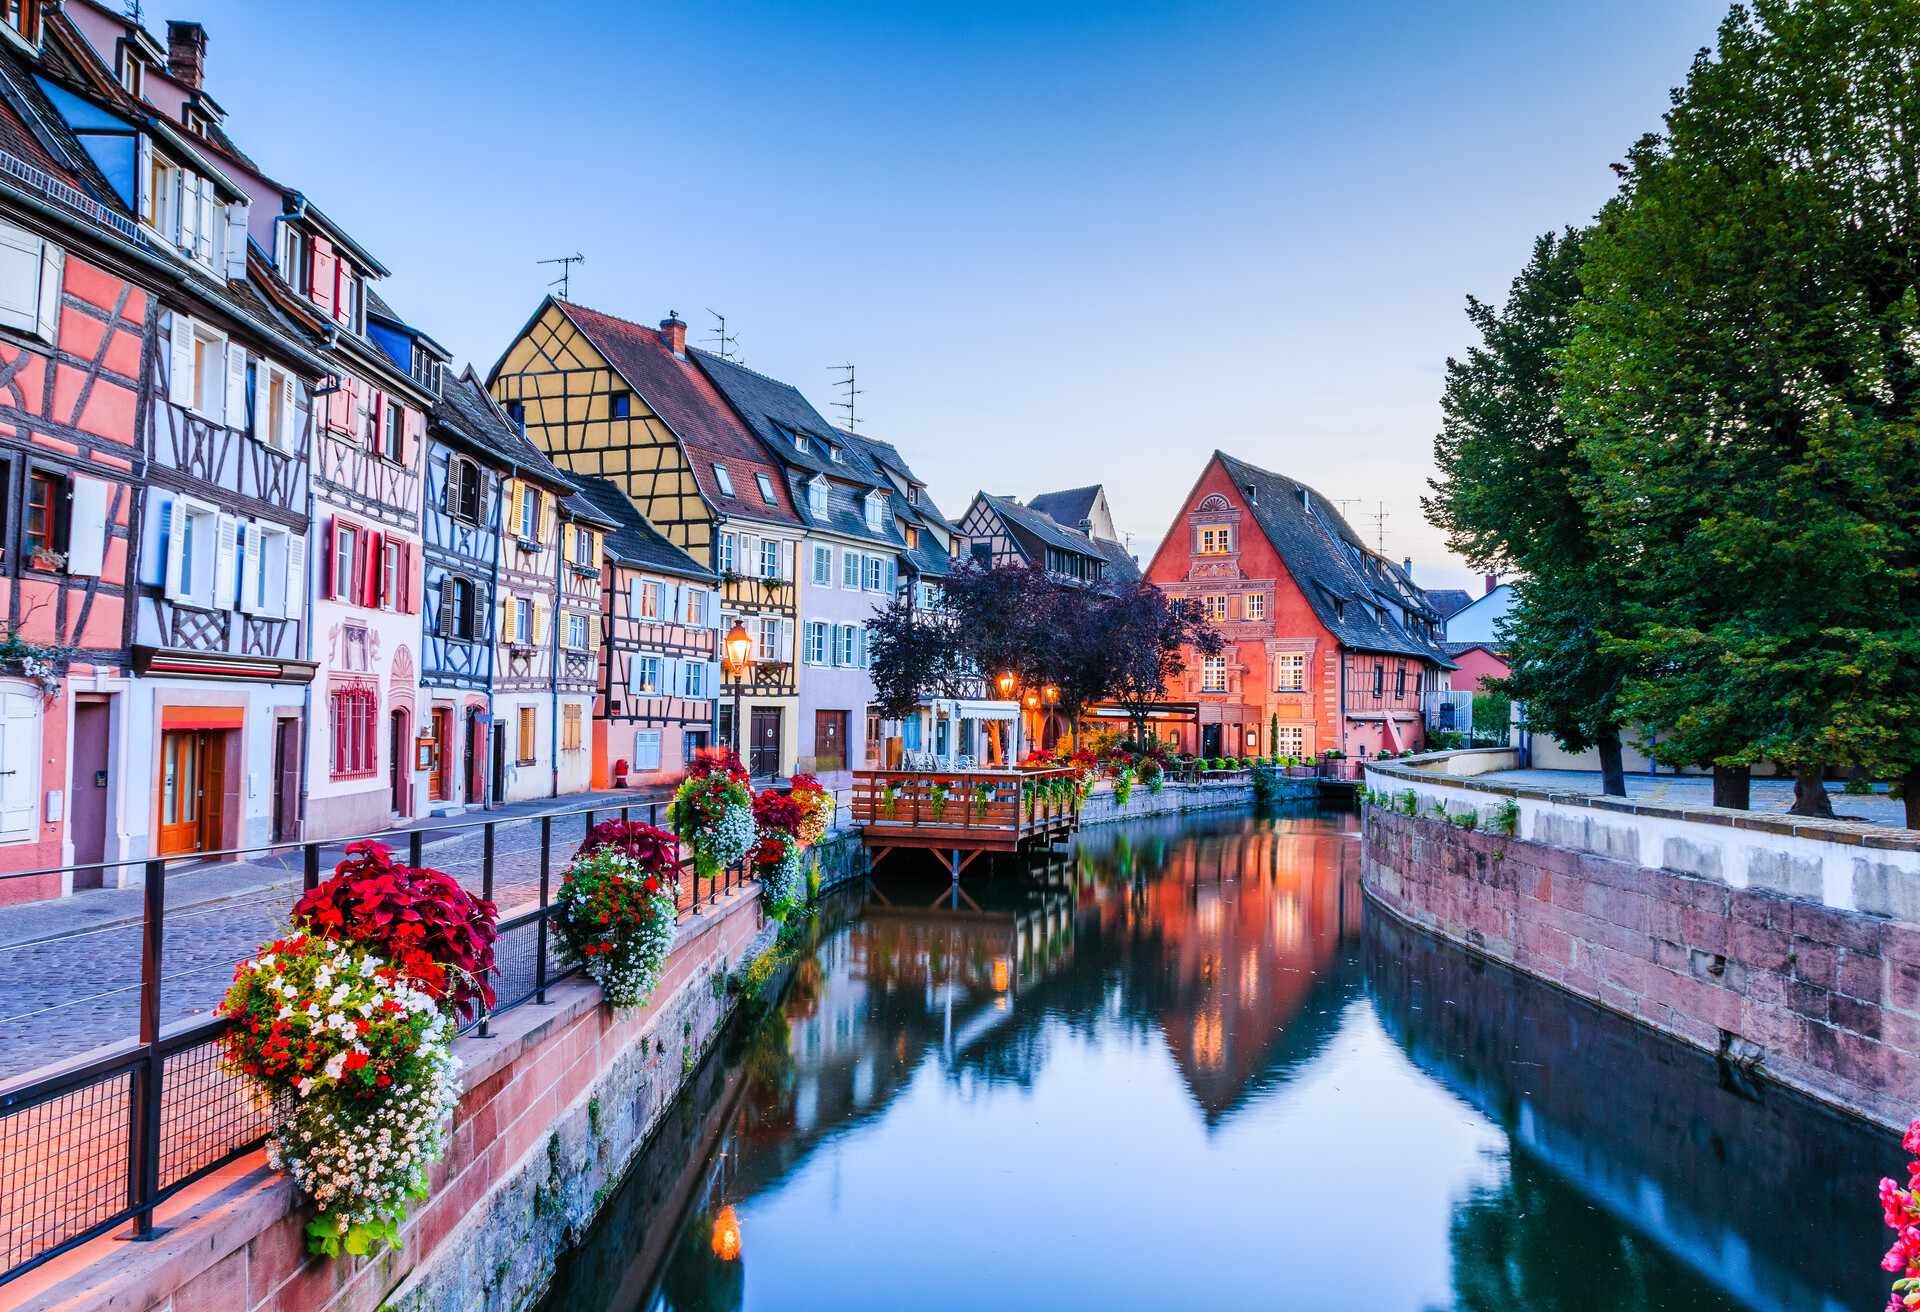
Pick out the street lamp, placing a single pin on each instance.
(1008, 683)
(737, 653)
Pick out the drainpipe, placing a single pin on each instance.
(493, 653)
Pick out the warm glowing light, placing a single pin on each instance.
(1002, 974)
(1007, 684)
(1033, 700)
(739, 650)
(1051, 693)
(726, 1234)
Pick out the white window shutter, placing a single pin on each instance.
(87, 526)
(284, 438)
(237, 241)
(294, 600)
(173, 527)
(712, 684)
(19, 278)
(20, 748)
(636, 682)
(893, 575)
(53, 263)
(849, 568)
(236, 385)
(786, 640)
(226, 557)
(189, 211)
(670, 676)
(180, 347)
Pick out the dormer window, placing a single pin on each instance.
(913, 496)
(183, 208)
(833, 453)
(817, 497)
(23, 16)
(800, 443)
(193, 120)
(295, 257)
(766, 488)
(133, 73)
(723, 479)
(876, 510)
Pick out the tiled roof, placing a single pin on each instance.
(1072, 507)
(579, 506)
(1448, 601)
(887, 456)
(635, 541)
(1329, 561)
(1121, 566)
(685, 398)
(468, 412)
(1461, 648)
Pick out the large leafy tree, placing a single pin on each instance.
(1149, 636)
(1742, 388)
(1508, 500)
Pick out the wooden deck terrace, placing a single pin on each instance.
(963, 812)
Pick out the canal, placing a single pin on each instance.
(1187, 1067)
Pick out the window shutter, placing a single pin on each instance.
(786, 640)
(633, 599)
(226, 556)
(635, 684)
(670, 676)
(236, 385)
(712, 684)
(539, 621)
(409, 593)
(295, 598)
(87, 527)
(180, 348)
(749, 559)
(375, 571)
(20, 746)
(237, 241)
(173, 526)
(412, 429)
(377, 424)
(509, 616)
(53, 262)
(893, 575)
(593, 632)
(329, 557)
(443, 622)
(20, 268)
(849, 569)
(670, 603)
(566, 544)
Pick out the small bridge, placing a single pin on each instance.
(964, 813)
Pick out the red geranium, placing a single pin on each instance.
(716, 760)
(656, 849)
(430, 928)
(777, 817)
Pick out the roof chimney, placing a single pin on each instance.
(1490, 580)
(1306, 500)
(1406, 566)
(673, 333)
(1253, 494)
(186, 51)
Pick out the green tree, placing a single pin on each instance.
(1507, 499)
(1742, 390)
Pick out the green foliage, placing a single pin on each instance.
(1464, 819)
(1506, 818)
(1408, 803)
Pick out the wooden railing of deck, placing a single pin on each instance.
(982, 808)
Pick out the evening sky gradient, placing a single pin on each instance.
(1063, 244)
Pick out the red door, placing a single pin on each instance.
(92, 785)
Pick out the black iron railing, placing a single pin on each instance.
(100, 1141)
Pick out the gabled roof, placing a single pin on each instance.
(1328, 560)
(685, 399)
(1462, 648)
(1072, 507)
(1445, 601)
(634, 541)
(1036, 532)
(887, 456)
(579, 507)
(1121, 566)
(466, 411)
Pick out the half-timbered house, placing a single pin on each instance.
(220, 636)
(575, 639)
(460, 554)
(659, 670)
(527, 596)
(1000, 531)
(606, 397)
(849, 558)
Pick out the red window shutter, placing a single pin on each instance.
(328, 556)
(377, 421)
(409, 595)
(376, 569)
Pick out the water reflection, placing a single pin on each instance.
(1184, 1067)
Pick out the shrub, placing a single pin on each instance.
(1859, 787)
(420, 920)
(1506, 819)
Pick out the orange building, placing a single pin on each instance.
(1330, 645)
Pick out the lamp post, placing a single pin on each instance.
(737, 653)
(1051, 696)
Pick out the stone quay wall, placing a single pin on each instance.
(554, 1106)
(1785, 946)
(1102, 808)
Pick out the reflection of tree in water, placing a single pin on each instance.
(1535, 1242)
(698, 1279)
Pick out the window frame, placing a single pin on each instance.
(723, 480)
(765, 485)
(1284, 661)
(1210, 666)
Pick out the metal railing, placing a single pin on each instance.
(101, 1141)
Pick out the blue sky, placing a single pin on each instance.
(1063, 244)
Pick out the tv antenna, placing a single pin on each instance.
(847, 384)
(722, 341)
(134, 15)
(566, 263)
(1380, 526)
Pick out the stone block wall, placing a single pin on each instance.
(554, 1106)
(1822, 999)
(1102, 808)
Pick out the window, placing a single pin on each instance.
(576, 632)
(644, 677)
(1256, 605)
(1400, 680)
(770, 552)
(1290, 672)
(622, 405)
(582, 545)
(876, 573)
(768, 646)
(696, 678)
(523, 620)
(45, 494)
(846, 647)
(816, 653)
(833, 453)
(876, 510)
(571, 739)
(800, 443)
(649, 601)
(517, 411)
(30, 271)
(530, 513)
(463, 611)
(696, 607)
(913, 537)
(850, 570)
(729, 551)
(646, 749)
(1215, 605)
(349, 566)
(389, 574)
(724, 479)
(981, 554)
(1213, 674)
(913, 496)
(529, 735)
(766, 488)
(1291, 740)
(1216, 540)
(197, 372)
(1379, 679)
(393, 436)
(817, 497)
(356, 741)
(822, 565)
(23, 16)
(463, 489)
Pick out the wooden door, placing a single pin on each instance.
(400, 765)
(286, 780)
(92, 786)
(1210, 740)
(181, 753)
(764, 741)
(213, 788)
(829, 740)
(437, 781)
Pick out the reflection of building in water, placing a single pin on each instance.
(1234, 930)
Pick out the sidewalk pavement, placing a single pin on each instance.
(212, 882)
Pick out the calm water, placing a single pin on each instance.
(1187, 1068)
